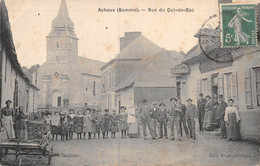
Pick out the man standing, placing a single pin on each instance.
(182, 107)
(220, 113)
(201, 110)
(174, 117)
(191, 114)
(145, 116)
(154, 117)
(163, 118)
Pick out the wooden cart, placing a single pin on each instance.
(27, 148)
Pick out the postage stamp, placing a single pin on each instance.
(238, 23)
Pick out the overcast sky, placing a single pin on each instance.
(98, 32)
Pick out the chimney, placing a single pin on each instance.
(129, 37)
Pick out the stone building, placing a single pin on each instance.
(238, 79)
(14, 84)
(140, 71)
(66, 79)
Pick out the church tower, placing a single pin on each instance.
(62, 42)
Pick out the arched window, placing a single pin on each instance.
(94, 88)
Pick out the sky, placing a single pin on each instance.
(99, 32)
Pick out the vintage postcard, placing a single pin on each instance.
(129, 83)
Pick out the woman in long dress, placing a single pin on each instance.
(87, 126)
(236, 24)
(64, 126)
(232, 120)
(6, 117)
(123, 126)
(207, 123)
(93, 118)
(21, 122)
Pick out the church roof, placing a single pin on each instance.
(62, 24)
(138, 49)
(152, 71)
(90, 66)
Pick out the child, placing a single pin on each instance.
(87, 126)
(70, 120)
(232, 120)
(106, 124)
(78, 124)
(163, 119)
(99, 122)
(47, 123)
(191, 116)
(55, 123)
(64, 126)
(123, 126)
(21, 124)
(114, 124)
(93, 118)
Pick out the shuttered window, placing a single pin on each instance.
(198, 87)
(248, 88)
(257, 72)
(220, 85)
(232, 85)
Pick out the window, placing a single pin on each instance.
(232, 85)
(257, 76)
(94, 88)
(59, 101)
(58, 44)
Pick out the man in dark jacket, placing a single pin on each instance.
(201, 110)
(220, 113)
(154, 117)
(182, 107)
(174, 117)
(163, 118)
(191, 115)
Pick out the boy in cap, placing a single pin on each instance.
(123, 125)
(163, 119)
(106, 123)
(191, 115)
(154, 117)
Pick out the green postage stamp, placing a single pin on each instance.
(239, 26)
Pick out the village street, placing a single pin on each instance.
(207, 149)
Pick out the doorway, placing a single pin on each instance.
(178, 85)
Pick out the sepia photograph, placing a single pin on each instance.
(129, 83)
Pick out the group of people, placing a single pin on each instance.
(91, 122)
(13, 121)
(88, 123)
(217, 111)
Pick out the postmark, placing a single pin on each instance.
(238, 25)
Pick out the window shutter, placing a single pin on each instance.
(198, 87)
(209, 87)
(248, 88)
(220, 85)
(234, 86)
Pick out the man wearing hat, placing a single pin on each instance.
(154, 117)
(182, 107)
(6, 118)
(163, 119)
(174, 117)
(191, 115)
(201, 110)
(145, 116)
(220, 113)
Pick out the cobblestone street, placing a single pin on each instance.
(208, 149)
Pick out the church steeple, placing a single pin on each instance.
(62, 42)
(62, 24)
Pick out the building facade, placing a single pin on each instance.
(140, 71)
(237, 80)
(66, 79)
(14, 84)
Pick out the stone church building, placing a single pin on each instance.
(66, 79)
